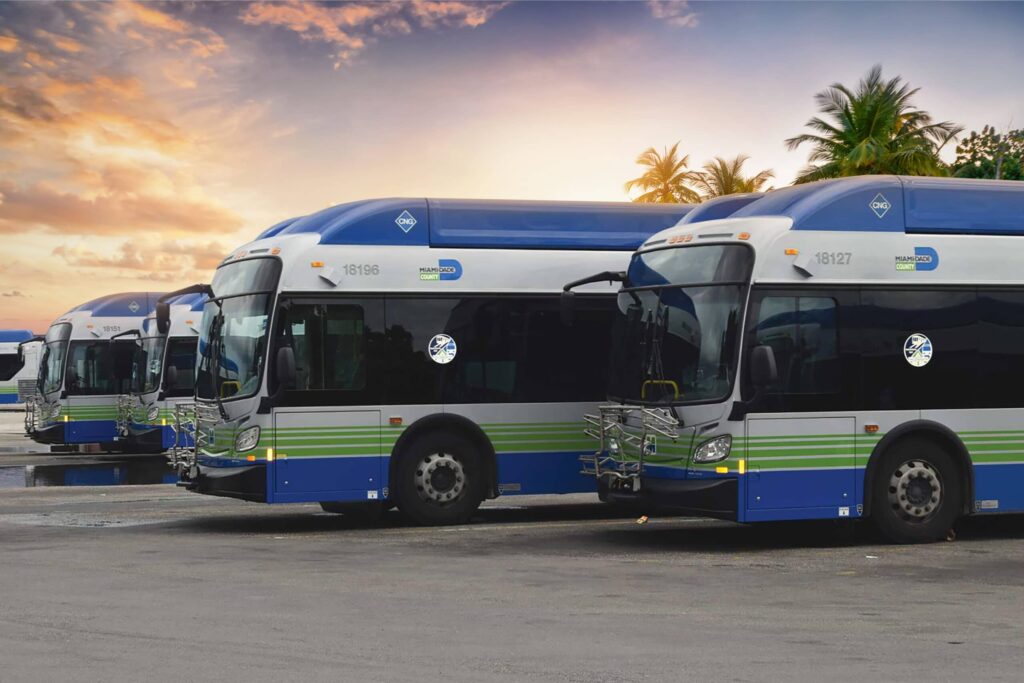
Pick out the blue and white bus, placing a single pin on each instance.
(409, 352)
(162, 374)
(19, 362)
(842, 349)
(83, 370)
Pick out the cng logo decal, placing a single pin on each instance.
(442, 349)
(917, 350)
(134, 307)
(924, 258)
(446, 269)
(405, 221)
(880, 205)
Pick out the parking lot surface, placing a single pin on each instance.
(136, 583)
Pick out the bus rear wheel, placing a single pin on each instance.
(917, 492)
(439, 479)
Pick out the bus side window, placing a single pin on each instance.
(802, 333)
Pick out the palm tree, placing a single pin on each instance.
(873, 129)
(666, 178)
(725, 176)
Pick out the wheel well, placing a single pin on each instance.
(455, 423)
(939, 434)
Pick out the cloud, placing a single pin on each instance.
(676, 13)
(160, 260)
(8, 43)
(351, 27)
(14, 293)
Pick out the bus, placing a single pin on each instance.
(83, 370)
(849, 348)
(19, 361)
(162, 374)
(408, 352)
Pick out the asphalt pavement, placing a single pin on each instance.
(133, 583)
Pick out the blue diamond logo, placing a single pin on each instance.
(405, 221)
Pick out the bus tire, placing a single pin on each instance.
(439, 479)
(358, 512)
(918, 493)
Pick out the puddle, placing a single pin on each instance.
(150, 471)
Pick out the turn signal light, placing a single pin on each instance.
(871, 429)
(792, 252)
(316, 264)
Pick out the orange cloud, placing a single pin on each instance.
(353, 26)
(112, 213)
(8, 43)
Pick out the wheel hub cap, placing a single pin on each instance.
(915, 490)
(440, 479)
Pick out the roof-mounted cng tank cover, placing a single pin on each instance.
(911, 205)
(482, 224)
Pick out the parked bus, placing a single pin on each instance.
(162, 374)
(19, 361)
(408, 352)
(841, 349)
(82, 371)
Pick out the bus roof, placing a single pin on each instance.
(15, 336)
(124, 304)
(277, 228)
(911, 205)
(471, 223)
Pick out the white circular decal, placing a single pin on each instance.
(917, 350)
(442, 349)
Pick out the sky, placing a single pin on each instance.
(140, 143)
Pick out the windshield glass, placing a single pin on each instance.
(676, 334)
(233, 337)
(51, 367)
(147, 365)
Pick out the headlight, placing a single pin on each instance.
(247, 440)
(713, 450)
(153, 413)
(55, 410)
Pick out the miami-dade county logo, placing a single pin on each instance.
(924, 258)
(446, 269)
(917, 350)
(880, 205)
(405, 221)
(442, 349)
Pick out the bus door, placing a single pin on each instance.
(801, 455)
(327, 428)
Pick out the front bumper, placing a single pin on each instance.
(150, 438)
(53, 434)
(246, 483)
(716, 498)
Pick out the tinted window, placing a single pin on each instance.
(887, 319)
(99, 367)
(802, 334)
(181, 354)
(10, 363)
(1001, 349)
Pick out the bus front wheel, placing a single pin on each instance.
(917, 493)
(439, 479)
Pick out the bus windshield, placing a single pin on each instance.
(55, 350)
(675, 337)
(147, 365)
(233, 336)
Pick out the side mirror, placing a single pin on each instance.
(567, 305)
(285, 368)
(163, 317)
(171, 378)
(763, 371)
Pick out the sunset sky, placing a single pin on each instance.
(141, 142)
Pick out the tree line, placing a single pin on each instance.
(870, 129)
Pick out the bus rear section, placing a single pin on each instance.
(410, 353)
(83, 371)
(867, 364)
(19, 361)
